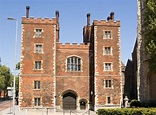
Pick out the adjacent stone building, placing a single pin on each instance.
(139, 84)
(70, 76)
(145, 81)
(130, 87)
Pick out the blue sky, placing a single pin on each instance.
(72, 19)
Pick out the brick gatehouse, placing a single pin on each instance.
(70, 76)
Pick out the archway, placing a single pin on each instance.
(69, 101)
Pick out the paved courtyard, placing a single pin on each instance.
(45, 112)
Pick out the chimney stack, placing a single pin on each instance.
(88, 19)
(57, 16)
(27, 11)
(112, 16)
(108, 18)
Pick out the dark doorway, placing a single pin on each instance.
(69, 101)
(83, 104)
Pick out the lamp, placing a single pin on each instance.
(13, 109)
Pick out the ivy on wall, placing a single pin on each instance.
(149, 32)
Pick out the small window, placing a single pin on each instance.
(38, 48)
(108, 67)
(38, 33)
(107, 50)
(108, 100)
(74, 64)
(108, 83)
(37, 65)
(107, 35)
(36, 84)
(37, 101)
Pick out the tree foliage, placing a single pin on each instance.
(5, 78)
(149, 32)
(17, 83)
(18, 65)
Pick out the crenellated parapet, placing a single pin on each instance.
(39, 20)
(110, 21)
(29, 20)
(73, 46)
(106, 23)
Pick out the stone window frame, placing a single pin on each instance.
(38, 104)
(104, 49)
(104, 83)
(38, 36)
(104, 66)
(37, 84)
(35, 48)
(109, 97)
(81, 63)
(41, 65)
(104, 34)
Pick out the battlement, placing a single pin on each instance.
(72, 46)
(106, 23)
(39, 20)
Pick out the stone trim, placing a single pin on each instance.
(108, 106)
(74, 76)
(120, 67)
(111, 51)
(34, 66)
(35, 48)
(21, 64)
(34, 36)
(39, 75)
(102, 75)
(108, 63)
(74, 49)
(104, 34)
(95, 65)
(112, 83)
(139, 41)
(54, 65)
(81, 70)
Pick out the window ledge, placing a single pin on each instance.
(74, 71)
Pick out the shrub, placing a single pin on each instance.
(127, 111)
(135, 103)
(149, 103)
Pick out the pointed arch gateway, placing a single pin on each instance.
(69, 100)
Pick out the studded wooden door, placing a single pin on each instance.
(69, 101)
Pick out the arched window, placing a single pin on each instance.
(73, 64)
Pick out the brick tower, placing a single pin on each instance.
(107, 63)
(37, 81)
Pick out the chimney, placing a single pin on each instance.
(27, 11)
(57, 16)
(88, 19)
(112, 16)
(108, 18)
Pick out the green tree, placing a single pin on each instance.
(5, 78)
(149, 32)
(18, 65)
(17, 83)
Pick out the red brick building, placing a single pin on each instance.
(70, 76)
